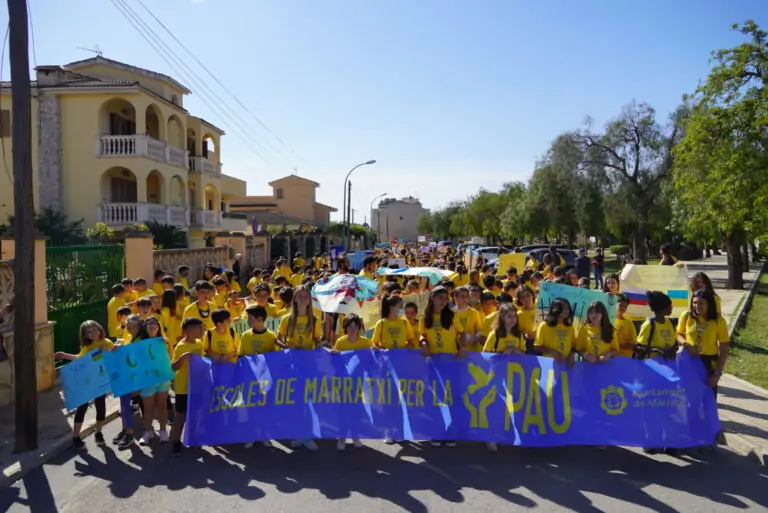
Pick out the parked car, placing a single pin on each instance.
(568, 254)
(492, 252)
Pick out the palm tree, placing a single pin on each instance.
(55, 225)
(167, 236)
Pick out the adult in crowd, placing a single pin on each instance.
(583, 265)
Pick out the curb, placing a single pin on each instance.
(746, 305)
(34, 459)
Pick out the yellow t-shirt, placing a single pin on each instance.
(344, 344)
(252, 283)
(526, 319)
(300, 338)
(194, 311)
(558, 338)
(171, 325)
(99, 344)
(296, 280)
(371, 275)
(460, 281)
(392, 334)
(590, 340)
(299, 261)
(706, 334)
(493, 344)
(236, 310)
(626, 333)
(181, 382)
(112, 307)
(257, 343)
(143, 293)
(664, 334)
(470, 320)
(485, 326)
(439, 339)
(220, 300)
(183, 281)
(217, 343)
(157, 289)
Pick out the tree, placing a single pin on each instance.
(167, 236)
(720, 168)
(635, 153)
(55, 225)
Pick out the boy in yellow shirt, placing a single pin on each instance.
(221, 343)
(117, 301)
(192, 330)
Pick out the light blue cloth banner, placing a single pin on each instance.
(579, 299)
(518, 400)
(434, 274)
(139, 365)
(84, 379)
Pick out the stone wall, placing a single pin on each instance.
(170, 259)
(49, 159)
(43, 356)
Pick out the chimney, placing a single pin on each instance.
(50, 75)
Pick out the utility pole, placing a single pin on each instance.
(25, 375)
(348, 237)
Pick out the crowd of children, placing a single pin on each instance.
(477, 310)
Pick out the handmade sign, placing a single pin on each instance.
(577, 297)
(507, 260)
(84, 379)
(516, 400)
(139, 365)
(636, 280)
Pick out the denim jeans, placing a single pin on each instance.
(598, 278)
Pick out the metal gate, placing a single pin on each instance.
(79, 282)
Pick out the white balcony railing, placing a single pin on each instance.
(233, 224)
(140, 146)
(207, 219)
(126, 214)
(203, 165)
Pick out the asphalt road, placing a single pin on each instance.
(408, 477)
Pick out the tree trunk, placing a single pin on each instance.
(735, 266)
(707, 250)
(25, 368)
(755, 257)
(745, 257)
(639, 247)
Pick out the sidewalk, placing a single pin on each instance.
(743, 407)
(55, 433)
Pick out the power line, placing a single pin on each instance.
(159, 46)
(32, 34)
(216, 79)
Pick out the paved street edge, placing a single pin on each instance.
(34, 459)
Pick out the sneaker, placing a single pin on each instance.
(436, 444)
(341, 444)
(492, 447)
(310, 444)
(120, 436)
(267, 444)
(77, 443)
(125, 442)
(175, 448)
(99, 438)
(248, 445)
(389, 441)
(357, 443)
(163, 437)
(451, 444)
(146, 437)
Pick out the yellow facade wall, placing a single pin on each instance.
(6, 154)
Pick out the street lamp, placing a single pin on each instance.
(344, 205)
(378, 216)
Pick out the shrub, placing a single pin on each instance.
(619, 249)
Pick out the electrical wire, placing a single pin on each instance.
(216, 79)
(148, 35)
(32, 34)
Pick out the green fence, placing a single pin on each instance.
(79, 280)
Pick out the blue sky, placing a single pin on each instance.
(447, 95)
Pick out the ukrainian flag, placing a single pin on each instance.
(679, 298)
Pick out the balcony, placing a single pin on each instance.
(140, 146)
(234, 222)
(207, 219)
(118, 215)
(203, 165)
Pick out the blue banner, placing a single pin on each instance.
(137, 366)
(520, 400)
(84, 379)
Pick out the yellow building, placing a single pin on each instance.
(113, 143)
(293, 202)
